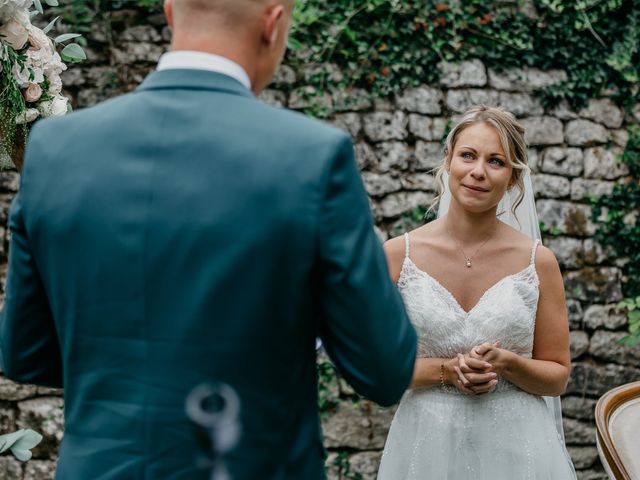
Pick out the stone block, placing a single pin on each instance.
(604, 316)
(604, 111)
(365, 155)
(460, 101)
(592, 474)
(569, 218)
(274, 98)
(365, 464)
(596, 380)
(563, 111)
(594, 254)
(606, 346)
(524, 79)
(468, 73)
(583, 457)
(351, 99)
(534, 160)
(45, 416)
(428, 155)
(620, 137)
(568, 251)
(10, 468)
(594, 284)
(285, 75)
(425, 100)
(327, 72)
(550, 186)
(582, 189)
(393, 155)
(13, 392)
(419, 181)
(385, 126)
(520, 104)
(349, 122)
(9, 181)
(140, 34)
(308, 96)
(396, 204)
(578, 433)
(361, 426)
(39, 470)
(579, 407)
(584, 133)
(7, 420)
(575, 313)
(130, 52)
(543, 130)
(427, 128)
(579, 343)
(332, 466)
(378, 185)
(601, 163)
(563, 161)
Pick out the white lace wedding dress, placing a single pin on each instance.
(440, 433)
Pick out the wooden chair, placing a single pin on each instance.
(618, 431)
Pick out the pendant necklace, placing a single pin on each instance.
(468, 259)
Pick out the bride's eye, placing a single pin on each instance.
(466, 155)
(497, 162)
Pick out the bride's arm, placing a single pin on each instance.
(547, 372)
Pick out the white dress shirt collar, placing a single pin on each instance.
(192, 60)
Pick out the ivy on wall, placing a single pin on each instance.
(385, 46)
(619, 230)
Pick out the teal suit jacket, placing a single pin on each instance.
(183, 233)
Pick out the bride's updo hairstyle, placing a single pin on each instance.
(511, 135)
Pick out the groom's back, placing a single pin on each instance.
(176, 231)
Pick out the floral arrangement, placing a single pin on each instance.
(30, 69)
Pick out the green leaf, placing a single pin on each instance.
(66, 36)
(38, 6)
(52, 3)
(73, 53)
(51, 24)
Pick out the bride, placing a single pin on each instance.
(488, 304)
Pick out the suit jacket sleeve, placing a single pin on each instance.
(364, 326)
(28, 340)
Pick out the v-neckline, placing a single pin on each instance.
(453, 297)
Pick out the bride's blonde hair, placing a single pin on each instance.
(511, 135)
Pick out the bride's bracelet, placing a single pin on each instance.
(442, 374)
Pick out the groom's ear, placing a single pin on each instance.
(273, 17)
(168, 12)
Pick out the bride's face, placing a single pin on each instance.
(479, 172)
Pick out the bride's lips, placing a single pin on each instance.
(475, 188)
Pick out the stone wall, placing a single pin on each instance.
(398, 141)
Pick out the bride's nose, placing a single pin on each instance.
(478, 172)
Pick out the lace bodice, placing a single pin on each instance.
(505, 312)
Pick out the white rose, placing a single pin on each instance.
(26, 75)
(39, 40)
(55, 107)
(55, 65)
(39, 57)
(32, 93)
(14, 34)
(28, 116)
(11, 8)
(55, 85)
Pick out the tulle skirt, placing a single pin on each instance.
(441, 434)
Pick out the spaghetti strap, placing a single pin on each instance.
(534, 249)
(407, 245)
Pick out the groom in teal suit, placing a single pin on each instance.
(188, 233)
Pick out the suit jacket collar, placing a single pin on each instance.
(194, 80)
